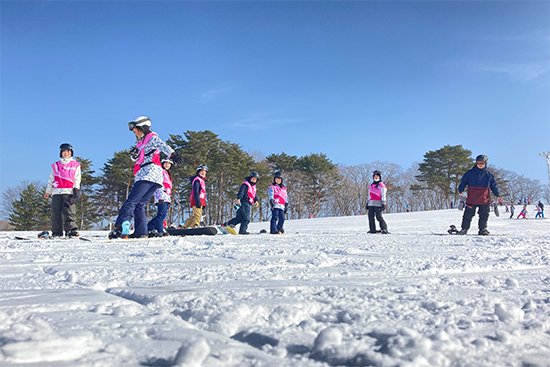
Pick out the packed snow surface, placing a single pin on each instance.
(324, 293)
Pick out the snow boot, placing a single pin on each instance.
(384, 231)
(483, 232)
(46, 234)
(462, 232)
(73, 233)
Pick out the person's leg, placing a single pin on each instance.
(140, 218)
(69, 217)
(383, 225)
(57, 215)
(281, 223)
(126, 212)
(162, 211)
(372, 223)
(483, 212)
(246, 209)
(238, 217)
(469, 212)
(273, 223)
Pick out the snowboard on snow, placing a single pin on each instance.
(454, 231)
(197, 231)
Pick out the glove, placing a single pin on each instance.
(271, 203)
(367, 207)
(383, 207)
(74, 198)
(286, 208)
(134, 153)
(176, 158)
(198, 206)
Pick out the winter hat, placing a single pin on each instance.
(167, 160)
(66, 146)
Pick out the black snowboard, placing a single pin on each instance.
(209, 231)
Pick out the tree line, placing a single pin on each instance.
(317, 187)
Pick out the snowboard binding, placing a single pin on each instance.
(452, 229)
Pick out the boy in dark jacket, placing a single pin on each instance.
(480, 183)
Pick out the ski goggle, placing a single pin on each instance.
(133, 124)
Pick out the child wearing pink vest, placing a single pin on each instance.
(377, 203)
(197, 198)
(64, 189)
(278, 202)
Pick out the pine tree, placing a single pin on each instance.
(31, 211)
(442, 169)
(87, 211)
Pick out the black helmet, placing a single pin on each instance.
(201, 167)
(66, 146)
(482, 158)
(277, 175)
(254, 174)
(377, 173)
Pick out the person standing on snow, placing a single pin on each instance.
(163, 198)
(64, 189)
(512, 209)
(480, 183)
(540, 210)
(197, 198)
(278, 202)
(147, 178)
(246, 197)
(377, 203)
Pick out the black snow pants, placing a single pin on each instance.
(63, 215)
(376, 211)
(470, 211)
(243, 217)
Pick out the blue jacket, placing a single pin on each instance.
(479, 182)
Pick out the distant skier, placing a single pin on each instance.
(512, 209)
(523, 213)
(246, 197)
(540, 210)
(163, 198)
(278, 202)
(480, 183)
(197, 198)
(147, 178)
(64, 189)
(377, 203)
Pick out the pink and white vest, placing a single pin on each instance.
(167, 182)
(251, 191)
(279, 194)
(64, 174)
(202, 195)
(141, 155)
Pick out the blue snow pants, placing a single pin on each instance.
(134, 206)
(243, 217)
(158, 221)
(277, 215)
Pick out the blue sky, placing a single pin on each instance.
(361, 81)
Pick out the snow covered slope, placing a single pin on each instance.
(325, 293)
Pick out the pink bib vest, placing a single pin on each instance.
(279, 194)
(141, 155)
(375, 191)
(167, 182)
(202, 194)
(64, 174)
(251, 192)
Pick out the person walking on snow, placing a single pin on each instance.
(480, 183)
(523, 213)
(540, 210)
(148, 178)
(512, 209)
(377, 203)
(64, 189)
(278, 202)
(246, 197)
(163, 198)
(197, 198)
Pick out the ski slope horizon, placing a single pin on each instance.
(326, 293)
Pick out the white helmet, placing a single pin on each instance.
(139, 121)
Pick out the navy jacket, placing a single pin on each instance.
(480, 182)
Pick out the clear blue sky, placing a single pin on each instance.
(360, 81)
